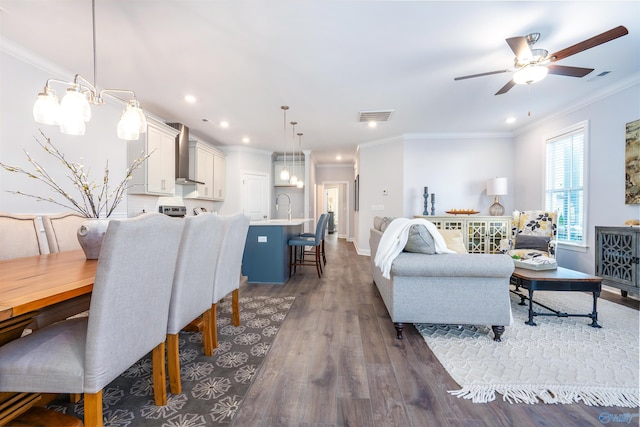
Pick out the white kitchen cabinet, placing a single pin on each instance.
(219, 176)
(207, 165)
(157, 174)
(201, 169)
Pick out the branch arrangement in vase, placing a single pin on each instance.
(95, 201)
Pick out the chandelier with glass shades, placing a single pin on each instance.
(74, 110)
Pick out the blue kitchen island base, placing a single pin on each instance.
(266, 252)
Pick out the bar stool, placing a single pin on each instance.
(302, 241)
(324, 217)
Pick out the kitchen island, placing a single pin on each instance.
(266, 252)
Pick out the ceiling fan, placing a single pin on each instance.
(532, 65)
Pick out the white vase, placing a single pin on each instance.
(90, 235)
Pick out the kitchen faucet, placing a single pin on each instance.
(289, 199)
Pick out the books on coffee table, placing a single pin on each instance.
(536, 263)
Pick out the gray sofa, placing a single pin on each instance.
(458, 289)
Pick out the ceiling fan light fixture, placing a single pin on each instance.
(530, 74)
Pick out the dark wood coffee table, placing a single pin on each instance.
(561, 279)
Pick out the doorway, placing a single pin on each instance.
(336, 200)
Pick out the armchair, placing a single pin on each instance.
(533, 233)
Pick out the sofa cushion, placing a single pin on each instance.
(377, 223)
(420, 240)
(454, 240)
(384, 223)
(539, 243)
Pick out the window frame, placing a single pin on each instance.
(580, 127)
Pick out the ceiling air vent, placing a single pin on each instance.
(375, 116)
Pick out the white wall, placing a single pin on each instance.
(456, 169)
(607, 117)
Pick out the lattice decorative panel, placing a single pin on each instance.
(617, 255)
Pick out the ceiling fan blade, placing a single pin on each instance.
(563, 70)
(594, 41)
(520, 47)
(482, 74)
(506, 88)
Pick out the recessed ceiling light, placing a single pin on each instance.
(372, 124)
(338, 157)
(510, 120)
(246, 140)
(190, 99)
(224, 124)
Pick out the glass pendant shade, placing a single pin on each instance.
(72, 126)
(284, 174)
(129, 124)
(530, 74)
(300, 183)
(75, 104)
(293, 180)
(46, 109)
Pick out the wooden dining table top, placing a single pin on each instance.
(31, 283)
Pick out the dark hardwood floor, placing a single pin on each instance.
(336, 362)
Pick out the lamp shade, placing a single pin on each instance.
(497, 187)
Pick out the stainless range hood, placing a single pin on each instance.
(182, 155)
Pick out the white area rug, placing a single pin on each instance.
(562, 360)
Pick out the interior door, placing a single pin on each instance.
(255, 195)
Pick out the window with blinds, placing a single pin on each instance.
(564, 189)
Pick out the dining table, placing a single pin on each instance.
(28, 285)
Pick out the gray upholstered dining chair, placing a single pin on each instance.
(228, 270)
(61, 231)
(127, 320)
(192, 286)
(20, 236)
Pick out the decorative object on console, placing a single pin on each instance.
(72, 113)
(496, 187)
(433, 203)
(426, 201)
(632, 163)
(462, 212)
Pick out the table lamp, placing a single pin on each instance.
(496, 187)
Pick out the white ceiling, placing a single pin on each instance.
(328, 60)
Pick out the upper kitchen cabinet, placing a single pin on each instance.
(206, 165)
(156, 175)
(219, 176)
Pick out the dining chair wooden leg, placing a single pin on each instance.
(93, 409)
(173, 364)
(324, 258)
(75, 397)
(207, 339)
(235, 305)
(159, 375)
(214, 326)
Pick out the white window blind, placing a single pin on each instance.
(564, 190)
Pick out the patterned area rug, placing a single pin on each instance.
(212, 387)
(561, 360)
